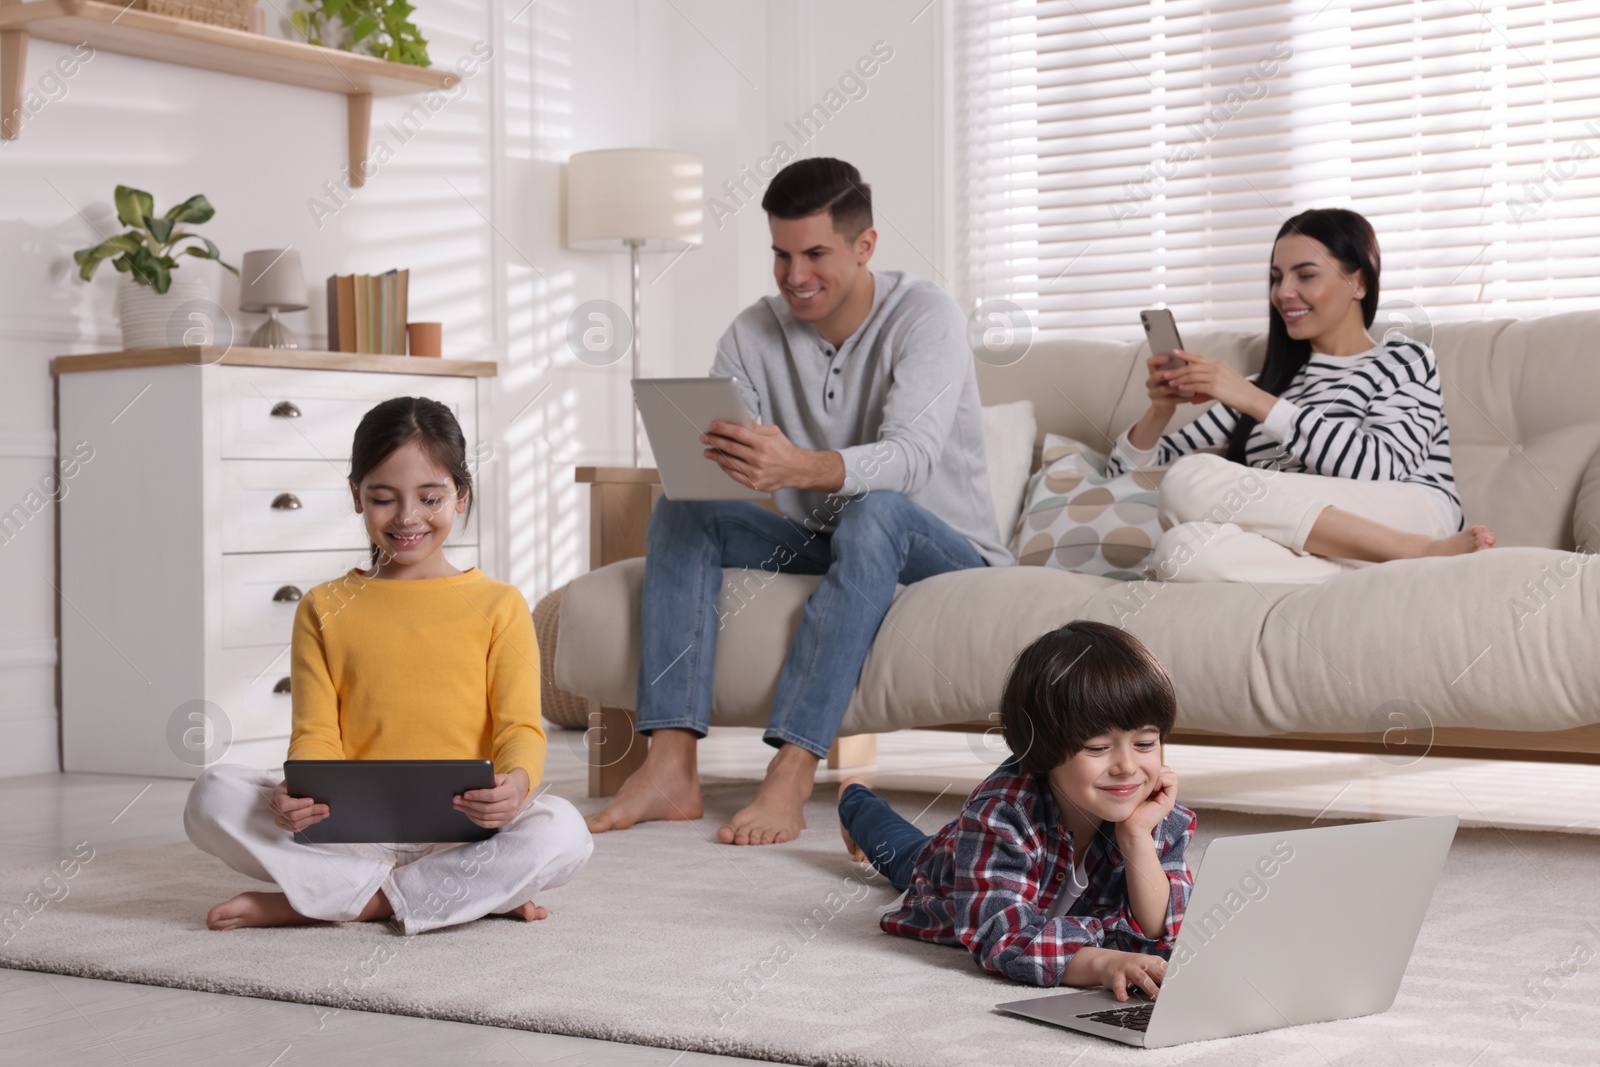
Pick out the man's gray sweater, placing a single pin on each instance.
(898, 401)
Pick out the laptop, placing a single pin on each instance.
(1282, 929)
(676, 411)
(389, 801)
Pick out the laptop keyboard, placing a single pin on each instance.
(1135, 1018)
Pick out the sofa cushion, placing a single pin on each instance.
(597, 653)
(1586, 512)
(1245, 659)
(1073, 385)
(1460, 638)
(1079, 520)
(1008, 432)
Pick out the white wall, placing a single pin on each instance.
(472, 205)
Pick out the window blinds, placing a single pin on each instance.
(1116, 155)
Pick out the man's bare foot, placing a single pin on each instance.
(529, 912)
(778, 812)
(850, 842)
(666, 786)
(254, 909)
(1472, 539)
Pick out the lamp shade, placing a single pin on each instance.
(621, 195)
(272, 279)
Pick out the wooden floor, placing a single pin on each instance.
(50, 1019)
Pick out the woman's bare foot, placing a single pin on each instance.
(254, 909)
(1341, 534)
(850, 842)
(529, 912)
(666, 786)
(1472, 539)
(778, 812)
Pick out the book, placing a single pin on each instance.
(359, 307)
(368, 312)
(402, 282)
(379, 342)
(386, 300)
(374, 286)
(347, 313)
(333, 313)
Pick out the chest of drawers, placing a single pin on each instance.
(214, 495)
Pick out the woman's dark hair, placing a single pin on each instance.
(1076, 683)
(808, 186)
(1349, 239)
(411, 418)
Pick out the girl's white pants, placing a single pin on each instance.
(1226, 522)
(428, 885)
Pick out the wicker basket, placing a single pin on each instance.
(234, 14)
(559, 706)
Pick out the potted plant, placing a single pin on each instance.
(381, 28)
(148, 295)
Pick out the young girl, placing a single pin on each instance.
(1355, 431)
(413, 659)
(1066, 866)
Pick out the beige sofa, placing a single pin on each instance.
(1403, 658)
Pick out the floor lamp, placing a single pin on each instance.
(634, 200)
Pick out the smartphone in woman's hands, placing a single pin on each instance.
(1162, 332)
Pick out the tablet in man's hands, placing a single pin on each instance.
(676, 411)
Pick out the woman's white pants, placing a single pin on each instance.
(428, 885)
(1226, 522)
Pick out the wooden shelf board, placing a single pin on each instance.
(638, 475)
(297, 358)
(115, 28)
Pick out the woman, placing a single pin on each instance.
(1336, 455)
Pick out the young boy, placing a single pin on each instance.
(1066, 866)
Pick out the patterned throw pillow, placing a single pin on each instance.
(1079, 520)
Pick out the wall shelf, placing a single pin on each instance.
(295, 358)
(113, 27)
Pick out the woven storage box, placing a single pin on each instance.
(235, 14)
(558, 705)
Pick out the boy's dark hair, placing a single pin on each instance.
(808, 186)
(411, 418)
(1077, 682)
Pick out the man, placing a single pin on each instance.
(867, 427)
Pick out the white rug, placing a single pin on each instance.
(774, 953)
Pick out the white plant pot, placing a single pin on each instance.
(148, 317)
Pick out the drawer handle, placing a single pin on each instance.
(284, 409)
(286, 502)
(282, 686)
(287, 594)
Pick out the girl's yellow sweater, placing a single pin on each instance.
(432, 668)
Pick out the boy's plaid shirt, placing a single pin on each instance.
(987, 880)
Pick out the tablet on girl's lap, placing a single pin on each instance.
(389, 800)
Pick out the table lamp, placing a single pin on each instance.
(634, 200)
(271, 281)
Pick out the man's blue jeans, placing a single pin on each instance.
(880, 539)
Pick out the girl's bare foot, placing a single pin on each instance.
(254, 909)
(529, 912)
(1472, 539)
(849, 842)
